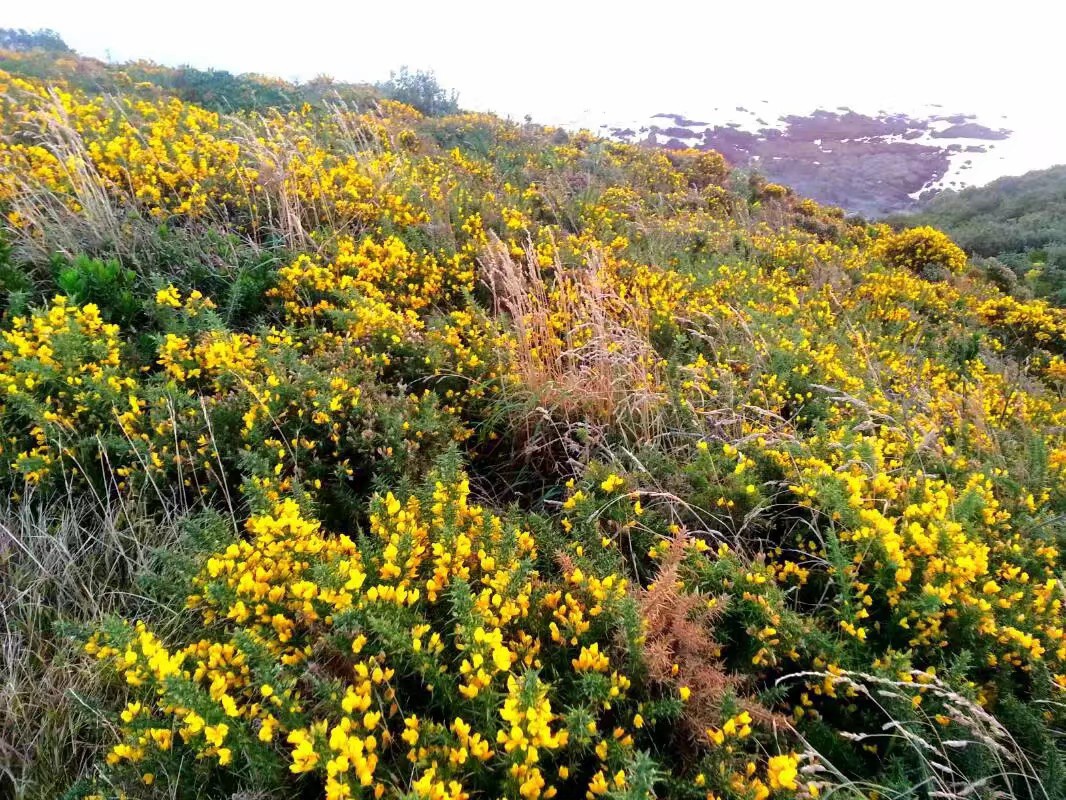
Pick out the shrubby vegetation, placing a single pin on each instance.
(1016, 224)
(353, 452)
(41, 54)
(925, 251)
(420, 90)
(19, 39)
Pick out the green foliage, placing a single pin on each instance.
(235, 273)
(21, 40)
(1018, 220)
(222, 91)
(106, 283)
(420, 90)
(34, 53)
(16, 287)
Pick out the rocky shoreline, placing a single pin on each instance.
(867, 164)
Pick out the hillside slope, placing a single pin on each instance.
(355, 453)
(215, 90)
(1020, 221)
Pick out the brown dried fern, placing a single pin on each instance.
(680, 649)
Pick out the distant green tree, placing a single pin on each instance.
(24, 40)
(420, 90)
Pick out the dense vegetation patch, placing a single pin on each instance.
(351, 452)
(1016, 224)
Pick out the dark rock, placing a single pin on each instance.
(971, 130)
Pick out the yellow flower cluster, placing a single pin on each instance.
(289, 588)
(914, 248)
(61, 374)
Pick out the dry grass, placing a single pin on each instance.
(51, 224)
(1014, 775)
(274, 161)
(581, 355)
(61, 564)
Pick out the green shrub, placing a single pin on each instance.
(105, 283)
(16, 286)
(20, 39)
(420, 90)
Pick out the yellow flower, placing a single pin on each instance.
(501, 657)
(598, 784)
(266, 729)
(782, 771)
(169, 297)
(304, 756)
(215, 734)
(591, 659)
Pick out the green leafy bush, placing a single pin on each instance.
(420, 90)
(20, 39)
(105, 283)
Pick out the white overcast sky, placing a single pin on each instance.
(556, 59)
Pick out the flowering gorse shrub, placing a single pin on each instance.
(916, 248)
(63, 382)
(439, 655)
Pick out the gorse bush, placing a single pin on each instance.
(922, 249)
(106, 284)
(473, 669)
(441, 457)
